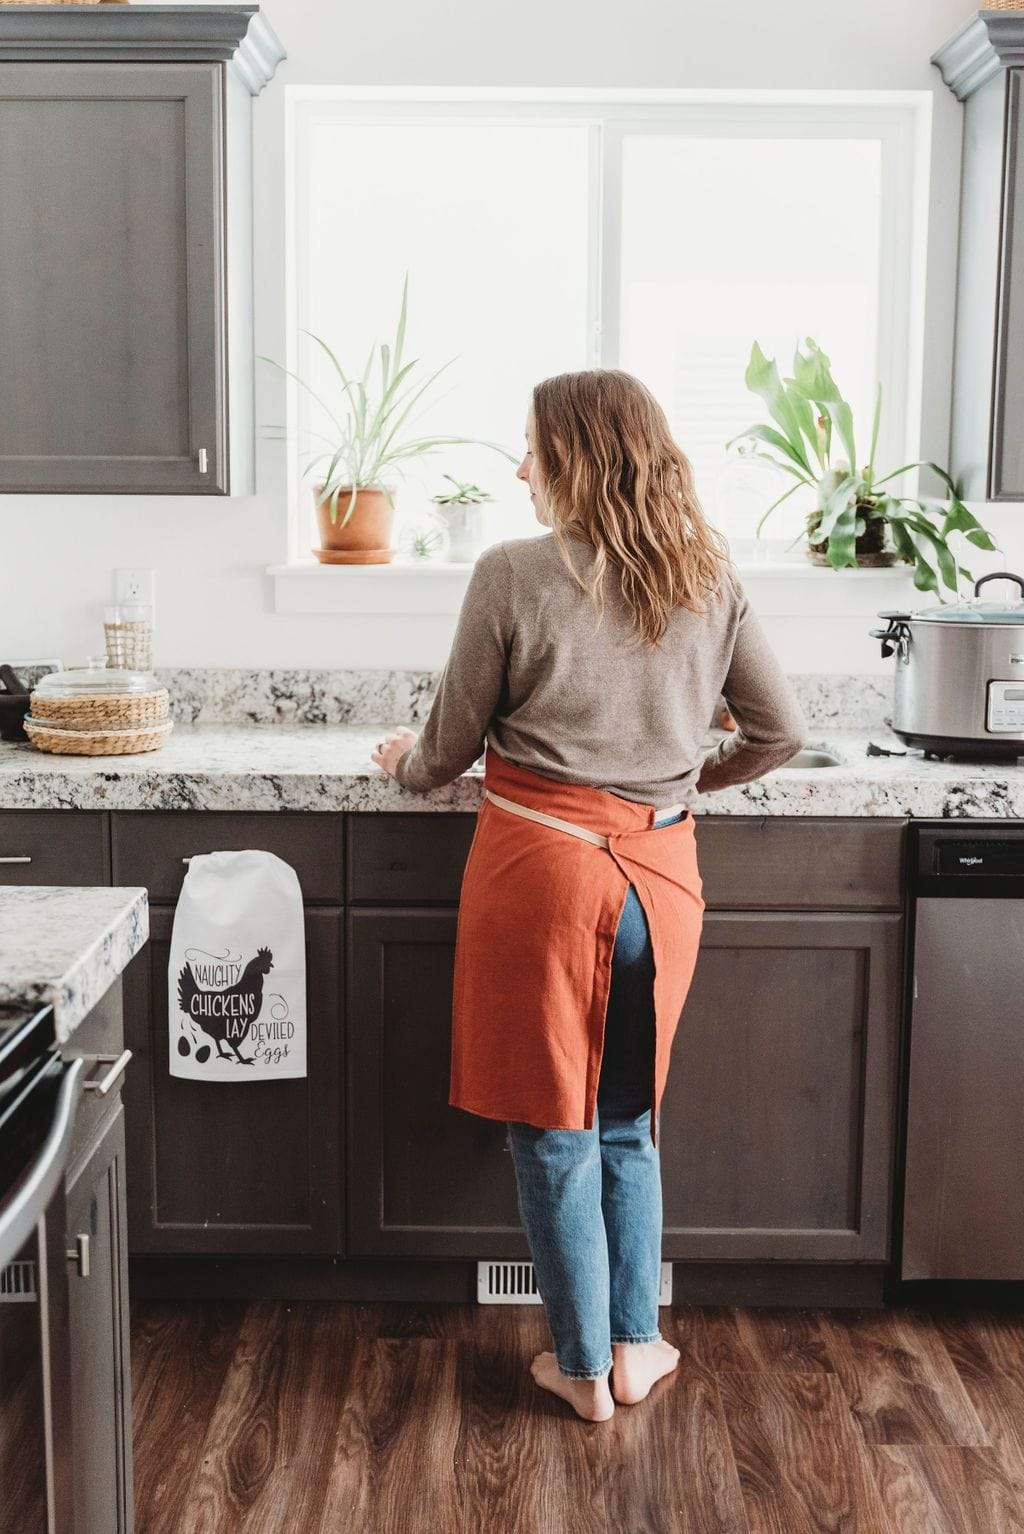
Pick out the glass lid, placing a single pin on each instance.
(972, 611)
(94, 678)
(977, 610)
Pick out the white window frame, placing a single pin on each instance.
(900, 120)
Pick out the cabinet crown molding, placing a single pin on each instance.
(236, 34)
(989, 42)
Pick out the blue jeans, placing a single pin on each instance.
(590, 1199)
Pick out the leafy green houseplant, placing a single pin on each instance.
(460, 510)
(464, 494)
(371, 442)
(855, 520)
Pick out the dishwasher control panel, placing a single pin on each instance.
(979, 859)
(986, 858)
(1005, 708)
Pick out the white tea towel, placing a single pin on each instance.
(236, 980)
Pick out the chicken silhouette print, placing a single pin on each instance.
(236, 972)
(228, 1015)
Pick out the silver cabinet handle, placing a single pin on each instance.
(16, 858)
(204, 463)
(117, 1065)
(79, 1254)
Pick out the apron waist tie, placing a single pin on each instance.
(568, 826)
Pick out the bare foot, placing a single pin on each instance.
(637, 1365)
(590, 1399)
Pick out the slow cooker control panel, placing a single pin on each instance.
(1006, 708)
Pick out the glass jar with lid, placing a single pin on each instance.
(95, 696)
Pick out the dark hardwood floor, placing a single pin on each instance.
(400, 1419)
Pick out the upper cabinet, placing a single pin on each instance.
(984, 67)
(126, 247)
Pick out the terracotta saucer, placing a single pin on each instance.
(353, 556)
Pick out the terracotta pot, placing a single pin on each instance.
(365, 539)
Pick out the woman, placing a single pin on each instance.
(590, 661)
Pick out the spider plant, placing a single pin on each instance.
(372, 420)
(852, 511)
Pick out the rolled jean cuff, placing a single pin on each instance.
(639, 1337)
(584, 1374)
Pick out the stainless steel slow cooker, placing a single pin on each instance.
(960, 674)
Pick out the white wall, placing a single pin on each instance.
(214, 599)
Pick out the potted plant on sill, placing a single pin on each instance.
(459, 508)
(371, 442)
(854, 521)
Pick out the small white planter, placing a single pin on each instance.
(466, 529)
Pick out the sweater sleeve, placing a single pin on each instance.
(771, 724)
(471, 683)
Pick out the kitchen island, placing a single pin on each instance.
(65, 947)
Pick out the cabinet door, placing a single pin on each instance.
(1006, 467)
(425, 1179)
(98, 1308)
(778, 1122)
(111, 300)
(215, 1167)
(54, 846)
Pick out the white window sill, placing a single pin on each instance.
(427, 588)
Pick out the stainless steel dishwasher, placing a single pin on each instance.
(963, 1205)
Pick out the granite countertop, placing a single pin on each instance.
(321, 767)
(66, 947)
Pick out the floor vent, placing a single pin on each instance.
(506, 1283)
(18, 1282)
(513, 1283)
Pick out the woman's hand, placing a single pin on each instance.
(392, 747)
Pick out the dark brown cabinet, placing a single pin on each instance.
(54, 847)
(981, 65)
(98, 1310)
(126, 249)
(777, 1126)
(425, 1179)
(778, 1121)
(225, 1168)
(86, 1283)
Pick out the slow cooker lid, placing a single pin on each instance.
(974, 609)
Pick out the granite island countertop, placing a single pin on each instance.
(66, 947)
(326, 767)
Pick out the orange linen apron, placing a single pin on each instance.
(533, 958)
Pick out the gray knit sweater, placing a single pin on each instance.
(531, 673)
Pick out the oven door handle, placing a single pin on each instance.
(22, 1212)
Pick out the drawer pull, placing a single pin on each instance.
(79, 1254)
(16, 858)
(106, 1083)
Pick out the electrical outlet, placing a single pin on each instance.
(135, 586)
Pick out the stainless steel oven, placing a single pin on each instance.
(39, 1095)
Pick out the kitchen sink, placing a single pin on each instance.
(809, 757)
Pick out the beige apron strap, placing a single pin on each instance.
(568, 826)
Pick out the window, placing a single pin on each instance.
(659, 235)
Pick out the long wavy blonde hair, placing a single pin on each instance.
(614, 477)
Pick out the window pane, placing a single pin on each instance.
(729, 240)
(491, 222)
